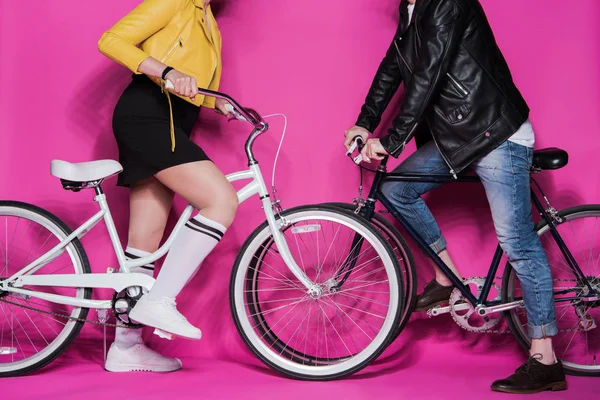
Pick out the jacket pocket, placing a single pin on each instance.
(459, 114)
(178, 43)
(459, 87)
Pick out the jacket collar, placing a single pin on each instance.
(203, 14)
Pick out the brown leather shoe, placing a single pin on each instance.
(434, 294)
(533, 377)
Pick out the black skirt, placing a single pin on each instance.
(141, 125)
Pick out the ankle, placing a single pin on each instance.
(443, 281)
(544, 358)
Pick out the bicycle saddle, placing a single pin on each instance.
(550, 158)
(85, 171)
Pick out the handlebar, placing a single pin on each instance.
(244, 114)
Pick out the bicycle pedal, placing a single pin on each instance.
(162, 334)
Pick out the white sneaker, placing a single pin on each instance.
(162, 313)
(139, 358)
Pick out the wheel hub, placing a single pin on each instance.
(594, 282)
(3, 293)
(315, 292)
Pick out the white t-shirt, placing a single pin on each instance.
(524, 135)
(411, 8)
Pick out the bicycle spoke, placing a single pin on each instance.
(354, 322)
(13, 336)
(43, 318)
(348, 316)
(36, 327)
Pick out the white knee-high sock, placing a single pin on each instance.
(190, 247)
(125, 338)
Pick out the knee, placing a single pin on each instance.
(226, 202)
(399, 192)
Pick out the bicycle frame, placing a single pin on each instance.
(120, 281)
(481, 303)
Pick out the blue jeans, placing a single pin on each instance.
(505, 176)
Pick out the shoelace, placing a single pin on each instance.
(527, 367)
(171, 303)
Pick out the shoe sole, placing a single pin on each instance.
(555, 387)
(136, 368)
(430, 306)
(164, 328)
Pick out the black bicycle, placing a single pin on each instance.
(479, 304)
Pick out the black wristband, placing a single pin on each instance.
(165, 72)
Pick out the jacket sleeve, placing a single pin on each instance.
(443, 27)
(120, 43)
(384, 85)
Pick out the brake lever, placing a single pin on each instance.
(357, 144)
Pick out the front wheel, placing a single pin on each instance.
(317, 337)
(577, 343)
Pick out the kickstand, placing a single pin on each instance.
(103, 318)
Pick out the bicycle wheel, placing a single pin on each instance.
(403, 255)
(29, 339)
(577, 343)
(330, 336)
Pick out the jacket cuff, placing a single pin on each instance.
(392, 145)
(367, 123)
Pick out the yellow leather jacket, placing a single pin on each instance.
(179, 33)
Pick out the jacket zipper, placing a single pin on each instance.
(402, 57)
(457, 85)
(415, 127)
(178, 42)
(452, 172)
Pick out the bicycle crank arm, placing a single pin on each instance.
(482, 310)
(117, 282)
(438, 310)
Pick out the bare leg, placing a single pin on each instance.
(205, 187)
(150, 204)
(439, 275)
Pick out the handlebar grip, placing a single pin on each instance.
(242, 114)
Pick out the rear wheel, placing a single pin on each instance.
(577, 343)
(328, 336)
(29, 339)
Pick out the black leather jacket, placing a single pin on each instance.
(458, 87)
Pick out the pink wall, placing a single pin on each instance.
(312, 60)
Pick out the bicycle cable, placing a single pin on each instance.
(284, 130)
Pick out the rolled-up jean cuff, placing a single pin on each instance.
(542, 331)
(439, 245)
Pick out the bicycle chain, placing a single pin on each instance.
(68, 316)
(501, 332)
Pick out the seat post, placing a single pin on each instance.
(98, 190)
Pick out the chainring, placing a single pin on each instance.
(122, 304)
(469, 319)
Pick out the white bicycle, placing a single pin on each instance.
(316, 292)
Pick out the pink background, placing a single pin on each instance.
(314, 61)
